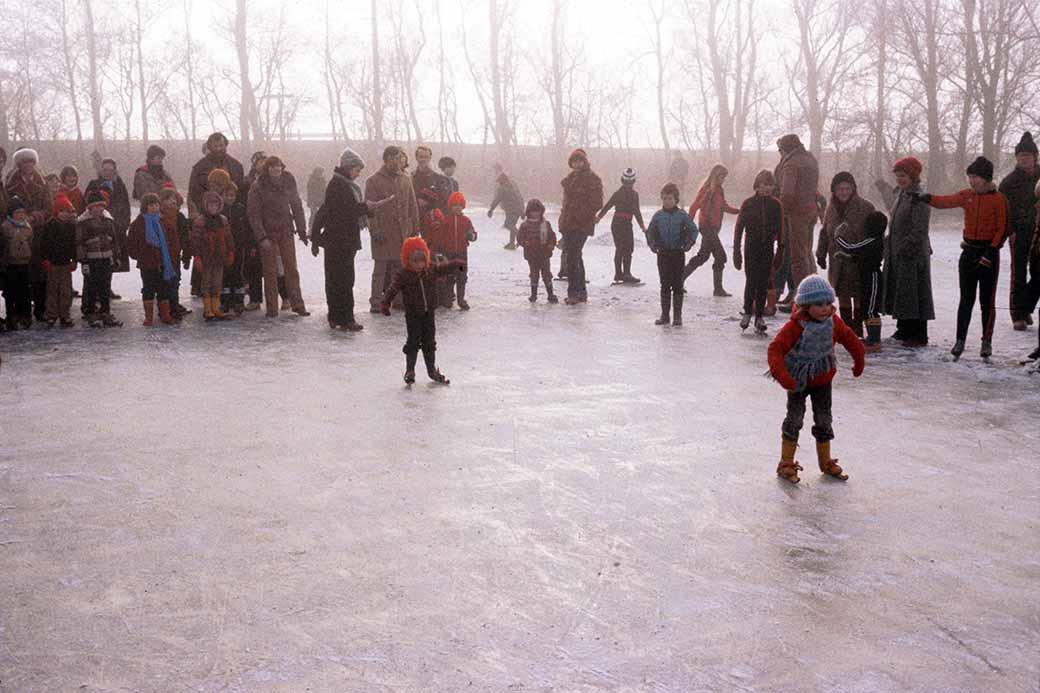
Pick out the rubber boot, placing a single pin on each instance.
(958, 349)
(987, 349)
(214, 308)
(677, 301)
(164, 313)
(788, 467)
(149, 312)
(719, 291)
(207, 309)
(534, 292)
(550, 294)
(666, 305)
(872, 344)
(770, 303)
(409, 367)
(829, 466)
(619, 273)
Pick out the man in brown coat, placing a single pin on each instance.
(799, 181)
(393, 222)
(582, 200)
(274, 207)
(151, 177)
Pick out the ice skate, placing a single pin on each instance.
(631, 280)
(534, 294)
(987, 349)
(829, 466)
(409, 377)
(438, 377)
(109, 320)
(957, 350)
(760, 325)
(745, 321)
(553, 299)
(788, 468)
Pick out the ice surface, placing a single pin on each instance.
(591, 505)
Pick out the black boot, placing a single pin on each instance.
(550, 294)
(409, 367)
(534, 292)
(719, 291)
(666, 305)
(431, 368)
(619, 273)
(677, 301)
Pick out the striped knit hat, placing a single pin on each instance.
(628, 176)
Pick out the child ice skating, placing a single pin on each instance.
(802, 360)
(761, 224)
(416, 281)
(450, 237)
(869, 253)
(538, 240)
(670, 235)
(710, 205)
(625, 203)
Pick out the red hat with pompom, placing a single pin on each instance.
(411, 245)
(457, 198)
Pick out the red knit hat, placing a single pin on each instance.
(457, 198)
(411, 245)
(62, 204)
(910, 166)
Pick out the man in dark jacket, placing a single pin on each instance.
(582, 200)
(508, 195)
(1019, 187)
(216, 157)
(151, 177)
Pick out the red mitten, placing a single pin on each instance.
(857, 370)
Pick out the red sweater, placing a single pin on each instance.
(789, 335)
(985, 214)
(709, 208)
(449, 237)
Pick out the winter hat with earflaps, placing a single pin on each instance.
(350, 159)
(534, 204)
(628, 176)
(814, 289)
(842, 177)
(1026, 145)
(981, 167)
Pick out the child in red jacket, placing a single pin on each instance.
(537, 238)
(801, 358)
(450, 237)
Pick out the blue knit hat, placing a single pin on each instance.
(814, 289)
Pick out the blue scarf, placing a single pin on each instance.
(19, 224)
(154, 236)
(813, 355)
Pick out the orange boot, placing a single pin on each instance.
(149, 312)
(788, 467)
(164, 313)
(827, 465)
(207, 308)
(214, 309)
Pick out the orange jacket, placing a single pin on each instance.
(789, 335)
(986, 214)
(709, 207)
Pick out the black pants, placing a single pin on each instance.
(711, 246)
(254, 276)
(98, 285)
(573, 247)
(670, 270)
(624, 245)
(153, 286)
(1025, 271)
(913, 330)
(822, 429)
(976, 278)
(18, 293)
(339, 283)
(540, 268)
(758, 263)
(39, 297)
(422, 334)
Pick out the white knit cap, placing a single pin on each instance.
(628, 176)
(25, 154)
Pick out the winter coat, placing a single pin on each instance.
(34, 194)
(149, 257)
(212, 245)
(582, 200)
(508, 195)
(58, 242)
(315, 190)
(18, 242)
(419, 289)
(119, 208)
(3, 199)
(789, 335)
(394, 221)
(1019, 188)
(452, 236)
(671, 229)
(908, 257)
(274, 208)
(846, 222)
(761, 218)
(340, 215)
(176, 225)
(431, 191)
(985, 215)
(147, 181)
(241, 232)
(529, 236)
(799, 179)
(95, 238)
(625, 202)
(709, 206)
(198, 182)
(75, 196)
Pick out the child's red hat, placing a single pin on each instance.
(411, 245)
(62, 204)
(457, 198)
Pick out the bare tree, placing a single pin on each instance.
(408, 48)
(377, 87)
(657, 11)
(93, 76)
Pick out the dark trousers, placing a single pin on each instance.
(1025, 271)
(981, 280)
(670, 270)
(758, 263)
(39, 297)
(153, 286)
(913, 330)
(822, 429)
(173, 287)
(574, 246)
(422, 334)
(18, 293)
(510, 223)
(98, 285)
(711, 246)
(624, 245)
(870, 294)
(540, 268)
(339, 283)
(454, 285)
(254, 275)
(783, 278)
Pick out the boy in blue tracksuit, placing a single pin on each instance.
(670, 235)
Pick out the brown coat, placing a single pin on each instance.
(799, 181)
(212, 246)
(34, 194)
(274, 208)
(395, 221)
(582, 200)
(843, 221)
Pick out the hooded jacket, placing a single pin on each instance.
(582, 200)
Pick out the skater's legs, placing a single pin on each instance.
(822, 429)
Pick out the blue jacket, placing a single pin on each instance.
(671, 230)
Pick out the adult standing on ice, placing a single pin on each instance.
(799, 178)
(216, 157)
(582, 200)
(393, 223)
(908, 255)
(151, 177)
(844, 221)
(1019, 189)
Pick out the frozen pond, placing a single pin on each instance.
(591, 505)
